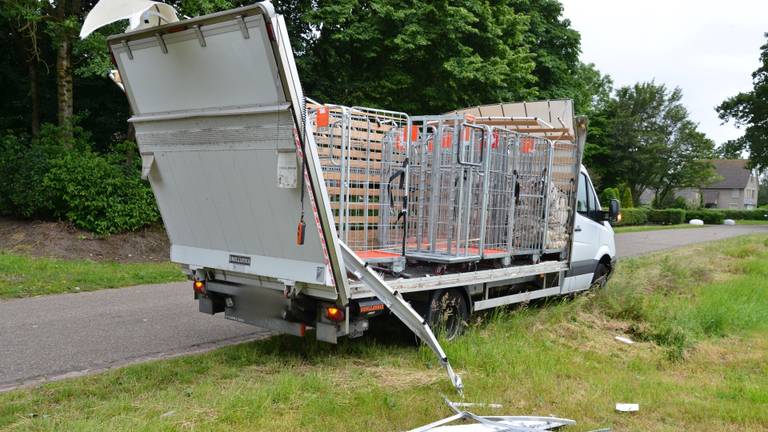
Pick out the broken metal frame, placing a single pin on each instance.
(497, 423)
(402, 309)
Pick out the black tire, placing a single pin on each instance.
(448, 313)
(600, 279)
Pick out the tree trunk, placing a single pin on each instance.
(34, 96)
(64, 81)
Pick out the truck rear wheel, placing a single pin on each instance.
(448, 313)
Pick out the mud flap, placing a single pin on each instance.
(395, 302)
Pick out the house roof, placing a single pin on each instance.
(734, 173)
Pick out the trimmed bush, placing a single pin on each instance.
(757, 214)
(607, 195)
(679, 203)
(633, 216)
(626, 197)
(710, 217)
(97, 196)
(667, 216)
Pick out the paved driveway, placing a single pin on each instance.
(639, 243)
(66, 335)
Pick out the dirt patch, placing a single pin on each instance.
(63, 240)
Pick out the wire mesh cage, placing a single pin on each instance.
(363, 155)
(447, 188)
(446, 193)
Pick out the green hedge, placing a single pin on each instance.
(670, 216)
(633, 216)
(56, 177)
(609, 194)
(757, 214)
(710, 217)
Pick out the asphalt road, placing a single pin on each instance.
(60, 336)
(640, 243)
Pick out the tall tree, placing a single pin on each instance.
(591, 93)
(750, 110)
(648, 142)
(25, 18)
(554, 44)
(416, 55)
(63, 28)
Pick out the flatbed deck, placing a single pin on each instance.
(427, 282)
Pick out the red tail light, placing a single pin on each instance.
(334, 314)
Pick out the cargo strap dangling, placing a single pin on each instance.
(301, 228)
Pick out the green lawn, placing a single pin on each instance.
(24, 276)
(752, 222)
(700, 362)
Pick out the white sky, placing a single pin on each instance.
(708, 48)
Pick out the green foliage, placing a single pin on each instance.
(416, 56)
(608, 194)
(24, 162)
(555, 47)
(762, 193)
(679, 203)
(633, 216)
(97, 196)
(626, 196)
(750, 109)
(57, 176)
(709, 217)
(645, 129)
(671, 216)
(757, 214)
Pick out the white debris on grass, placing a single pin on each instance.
(626, 340)
(627, 407)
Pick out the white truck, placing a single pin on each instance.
(291, 215)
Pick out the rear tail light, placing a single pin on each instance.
(334, 313)
(199, 286)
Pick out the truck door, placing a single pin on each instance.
(587, 236)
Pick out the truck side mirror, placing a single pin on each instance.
(613, 209)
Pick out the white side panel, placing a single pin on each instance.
(229, 71)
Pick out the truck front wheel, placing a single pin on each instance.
(600, 279)
(448, 313)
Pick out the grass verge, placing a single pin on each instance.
(24, 276)
(640, 228)
(752, 222)
(700, 363)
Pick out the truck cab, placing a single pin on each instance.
(593, 256)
